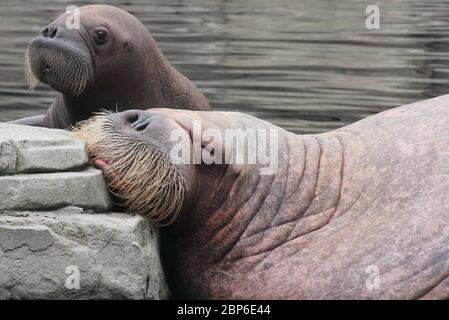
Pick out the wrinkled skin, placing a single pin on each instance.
(369, 196)
(128, 69)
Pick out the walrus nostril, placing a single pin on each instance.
(141, 126)
(133, 119)
(137, 120)
(50, 31)
(130, 119)
(44, 32)
(53, 31)
(142, 121)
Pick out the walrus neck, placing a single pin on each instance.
(301, 197)
(164, 87)
(71, 110)
(66, 111)
(175, 90)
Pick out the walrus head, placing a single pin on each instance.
(74, 59)
(137, 150)
(132, 150)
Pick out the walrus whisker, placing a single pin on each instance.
(68, 67)
(138, 173)
(31, 79)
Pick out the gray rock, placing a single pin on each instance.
(85, 189)
(31, 149)
(67, 255)
(8, 158)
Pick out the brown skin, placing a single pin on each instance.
(371, 193)
(128, 68)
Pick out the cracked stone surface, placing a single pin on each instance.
(115, 255)
(57, 238)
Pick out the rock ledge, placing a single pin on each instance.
(58, 239)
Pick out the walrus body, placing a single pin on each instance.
(357, 213)
(111, 62)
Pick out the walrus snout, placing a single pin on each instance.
(60, 58)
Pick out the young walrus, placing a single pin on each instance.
(109, 62)
(356, 213)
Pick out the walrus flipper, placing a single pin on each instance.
(35, 121)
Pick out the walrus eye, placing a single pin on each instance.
(100, 36)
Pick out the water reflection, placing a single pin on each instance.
(308, 66)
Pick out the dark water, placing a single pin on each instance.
(308, 66)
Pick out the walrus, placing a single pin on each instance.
(110, 62)
(360, 212)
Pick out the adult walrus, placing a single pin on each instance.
(361, 212)
(110, 62)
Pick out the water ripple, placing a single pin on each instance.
(308, 66)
